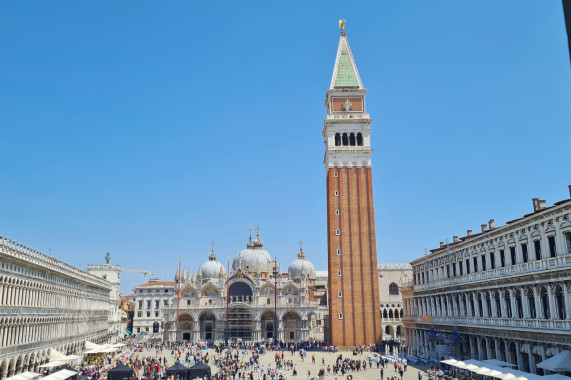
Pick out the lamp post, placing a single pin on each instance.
(227, 294)
(275, 294)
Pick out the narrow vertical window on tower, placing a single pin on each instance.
(359, 139)
(337, 139)
(337, 212)
(335, 174)
(336, 193)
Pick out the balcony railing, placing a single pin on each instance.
(538, 324)
(512, 270)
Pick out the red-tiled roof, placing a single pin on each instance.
(156, 283)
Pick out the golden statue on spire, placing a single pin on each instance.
(342, 24)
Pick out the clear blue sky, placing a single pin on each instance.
(149, 128)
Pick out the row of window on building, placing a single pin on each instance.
(149, 303)
(420, 278)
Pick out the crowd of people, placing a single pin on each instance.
(238, 361)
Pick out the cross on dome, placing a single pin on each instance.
(212, 256)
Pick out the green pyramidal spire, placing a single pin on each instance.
(345, 73)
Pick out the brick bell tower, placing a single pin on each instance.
(354, 306)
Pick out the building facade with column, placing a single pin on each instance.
(502, 293)
(251, 300)
(112, 274)
(47, 304)
(391, 279)
(151, 299)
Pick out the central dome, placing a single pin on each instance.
(254, 258)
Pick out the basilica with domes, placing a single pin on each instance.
(255, 301)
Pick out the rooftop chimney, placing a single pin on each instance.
(569, 191)
(535, 204)
(455, 238)
(469, 232)
(484, 227)
(542, 204)
(441, 245)
(492, 224)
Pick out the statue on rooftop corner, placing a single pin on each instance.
(107, 258)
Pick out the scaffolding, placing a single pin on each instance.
(240, 324)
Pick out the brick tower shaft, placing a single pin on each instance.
(354, 309)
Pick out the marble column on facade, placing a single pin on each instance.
(485, 310)
(494, 312)
(476, 305)
(524, 303)
(478, 342)
(532, 368)
(566, 300)
(488, 348)
(472, 347)
(513, 303)
(518, 356)
(538, 308)
(551, 302)
(497, 347)
(507, 352)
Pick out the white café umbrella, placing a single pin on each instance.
(557, 363)
(451, 362)
(53, 364)
(490, 372)
(556, 376)
(499, 363)
(24, 376)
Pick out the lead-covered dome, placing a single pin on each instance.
(212, 268)
(254, 258)
(300, 266)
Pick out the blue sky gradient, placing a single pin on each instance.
(149, 128)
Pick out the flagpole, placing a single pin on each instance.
(178, 295)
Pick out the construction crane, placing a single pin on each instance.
(144, 272)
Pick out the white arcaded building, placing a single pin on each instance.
(391, 279)
(47, 304)
(502, 293)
